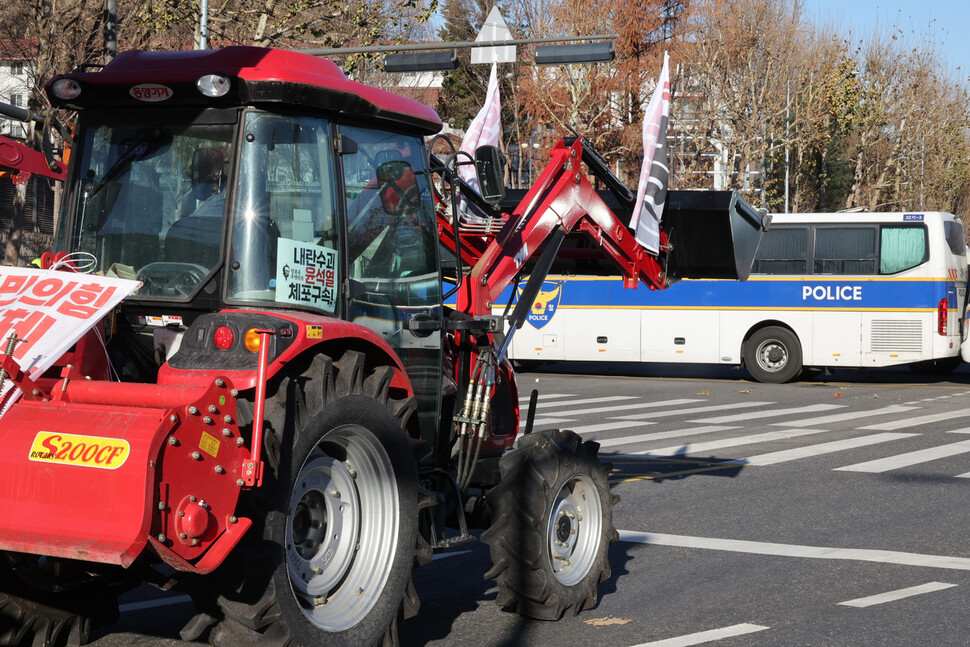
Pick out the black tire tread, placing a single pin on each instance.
(530, 476)
(247, 614)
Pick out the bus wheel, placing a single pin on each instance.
(773, 355)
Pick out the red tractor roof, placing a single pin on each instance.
(259, 75)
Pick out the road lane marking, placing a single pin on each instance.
(153, 604)
(919, 420)
(693, 448)
(627, 407)
(740, 417)
(692, 411)
(892, 596)
(908, 459)
(785, 455)
(543, 421)
(524, 401)
(794, 550)
(706, 636)
(964, 430)
(610, 426)
(570, 403)
(841, 417)
(659, 435)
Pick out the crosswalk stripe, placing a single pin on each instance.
(688, 448)
(545, 421)
(661, 435)
(842, 417)
(796, 453)
(963, 430)
(769, 414)
(702, 637)
(692, 411)
(919, 420)
(793, 550)
(524, 401)
(572, 403)
(166, 601)
(899, 594)
(627, 407)
(908, 459)
(584, 430)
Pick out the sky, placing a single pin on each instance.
(946, 20)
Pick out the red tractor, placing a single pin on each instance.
(285, 419)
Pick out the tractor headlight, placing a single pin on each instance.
(66, 89)
(213, 85)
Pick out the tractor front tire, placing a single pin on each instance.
(552, 525)
(333, 565)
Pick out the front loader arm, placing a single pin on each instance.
(562, 198)
(21, 162)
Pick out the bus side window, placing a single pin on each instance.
(902, 248)
(783, 250)
(845, 250)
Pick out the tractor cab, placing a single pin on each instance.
(259, 180)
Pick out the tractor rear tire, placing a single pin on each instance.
(42, 617)
(552, 525)
(333, 565)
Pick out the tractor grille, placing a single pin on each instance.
(893, 336)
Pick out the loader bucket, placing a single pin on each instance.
(712, 234)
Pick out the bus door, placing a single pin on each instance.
(685, 326)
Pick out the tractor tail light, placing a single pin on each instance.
(223, 337)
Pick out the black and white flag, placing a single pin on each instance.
(652, 189)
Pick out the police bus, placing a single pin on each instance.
(826, 290)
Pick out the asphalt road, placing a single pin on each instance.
(831, 511)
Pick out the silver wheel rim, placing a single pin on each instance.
(772, 355)
(574, 530)
(342, 528)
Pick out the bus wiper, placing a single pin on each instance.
(143, 146)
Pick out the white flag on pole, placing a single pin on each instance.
(484, 130)
(652, 189)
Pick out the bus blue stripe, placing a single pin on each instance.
(810, 293)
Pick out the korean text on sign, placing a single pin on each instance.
(306, 274)
(50, 311)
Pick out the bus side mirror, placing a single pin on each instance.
(488, 167)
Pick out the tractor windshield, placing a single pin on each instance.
(151, 199)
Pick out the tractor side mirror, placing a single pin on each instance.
(488, 166)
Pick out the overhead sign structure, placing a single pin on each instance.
(494, 30)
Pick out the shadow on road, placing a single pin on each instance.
(453, 585)
(887, 375)
(676, 467)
